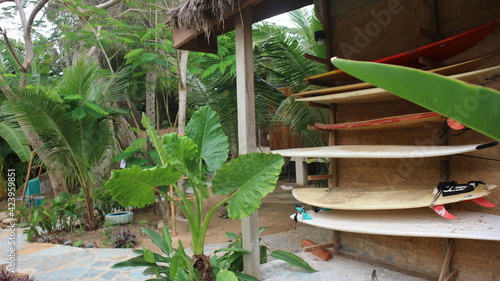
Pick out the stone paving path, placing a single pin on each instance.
(49, 262)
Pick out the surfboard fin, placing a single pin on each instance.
(441, 210)
(483, 202)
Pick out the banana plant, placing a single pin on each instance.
(473, 106)
(245, 180)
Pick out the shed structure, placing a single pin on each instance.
(368, 30)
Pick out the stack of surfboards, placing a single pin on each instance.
(397, 210)
(384, 197)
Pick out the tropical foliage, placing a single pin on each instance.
(74, 121)
(279, 62)
(245, 180)
(204, 149)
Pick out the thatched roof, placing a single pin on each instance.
(200, 14)
(198, 22)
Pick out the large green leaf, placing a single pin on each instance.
(181, 275)
(252, 176)
(164, 242)
(182, 152)
(245, 277)
(16, 140)
(180, 261)
(136, 187)
(155, 139)
(474, 106)
(135, 261)
(205, 130)
(292, 259)
(226, 275)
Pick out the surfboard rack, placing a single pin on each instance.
(323, 252)
(445, 274)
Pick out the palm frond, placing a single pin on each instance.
(16, 139)
(298, 116)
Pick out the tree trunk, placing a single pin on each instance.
(124, 134)
(58, 182)
(182, 59)
(151, 97)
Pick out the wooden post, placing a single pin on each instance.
(28, 174)
(182, 60)
(172, 210)
(329, 33)
(447, 260)
(336, 241)
(300, 170)
(333, 140)
(246, 129)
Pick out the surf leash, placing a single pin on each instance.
(301, 211)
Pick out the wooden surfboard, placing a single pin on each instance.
(409, 120)
(437, 51)
(421, 222)
(380, 95)
(458, 68)
(380, 197)
(380, 151)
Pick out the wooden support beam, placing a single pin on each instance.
(317, 59)
(452, 276)
(301, 170)
(429, 34)
(172, 211)
(319, 177)
(445, 170)
(327, 25)
(430, 62)
(246, 129)
(336, 241)
(316, 247)
(317, 250)
(318, 105)
(333, 141)
(445, 269)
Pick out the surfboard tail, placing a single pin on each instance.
(486, 145)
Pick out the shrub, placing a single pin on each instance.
(123, 238)
(9, 276)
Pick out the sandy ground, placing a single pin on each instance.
(273, 214)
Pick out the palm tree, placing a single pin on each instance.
(279, 55)
(279, 62)
(73, 122)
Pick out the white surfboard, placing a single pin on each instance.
(422, 222)
(380, 151)
(381, 197)
(380, 95)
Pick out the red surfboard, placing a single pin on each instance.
(387, 123)
(437, 51)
